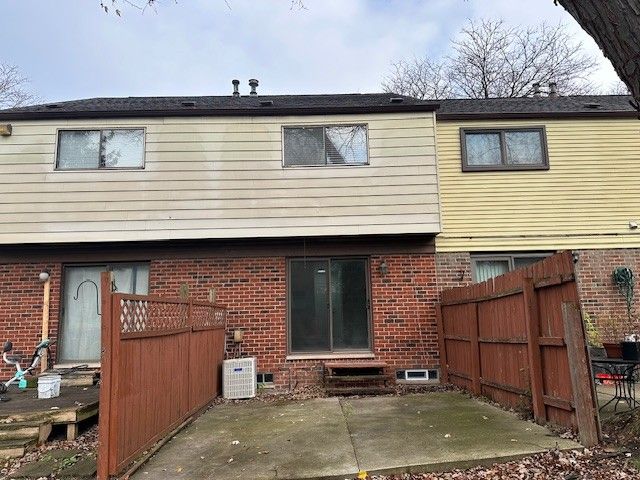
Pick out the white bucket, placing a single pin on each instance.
(49, 386)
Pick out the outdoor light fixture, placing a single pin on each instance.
(44, 276)
(237, 336)
(384, 268)
(5, 129)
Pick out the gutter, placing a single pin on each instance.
(215, 112)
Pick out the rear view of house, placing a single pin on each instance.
(312, 218)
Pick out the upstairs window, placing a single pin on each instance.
(325, 145)
(504, 149)
(93, 149)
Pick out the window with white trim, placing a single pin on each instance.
(325, 145)
(96, 149)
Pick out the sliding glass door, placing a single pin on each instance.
(328, 305)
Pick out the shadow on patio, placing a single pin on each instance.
(336, 437)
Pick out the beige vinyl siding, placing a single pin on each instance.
(219, 177)
(585, 200)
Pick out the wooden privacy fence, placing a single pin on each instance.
(161, 363)
(519, 340)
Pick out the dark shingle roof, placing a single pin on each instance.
(541, 107)
(220, 105)
(452, 109)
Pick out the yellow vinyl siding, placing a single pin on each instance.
(216, 177)
(585, 200)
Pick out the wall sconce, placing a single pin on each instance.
(5, 129)
(575, 256)
(237, 336)
(44, 276)
(384, 268)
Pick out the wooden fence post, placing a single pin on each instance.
(532, 319)
(106, 332)
(582, 388)
(476, 367)
(444, 368)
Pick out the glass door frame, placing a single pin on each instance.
(368, 306)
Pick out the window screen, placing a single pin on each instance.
(325, 145)
(91, 149)
(79, 149)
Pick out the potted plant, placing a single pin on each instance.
(613, 328)
(594, 342)
(631, 347)
(624, 279)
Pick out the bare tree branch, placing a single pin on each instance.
(490, 59)
(419, 78)
(14, 88)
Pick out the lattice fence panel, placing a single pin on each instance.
(138, 316)
(208, 316)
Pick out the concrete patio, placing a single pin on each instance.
(329, 438)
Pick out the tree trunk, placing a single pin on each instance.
(615, 26)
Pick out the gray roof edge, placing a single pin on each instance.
(237, 112)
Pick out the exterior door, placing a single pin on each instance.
(79, 339)
(328, 305)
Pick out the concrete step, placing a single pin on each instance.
(39, 431)
(16, 448)
(82, 378)
(358, 390)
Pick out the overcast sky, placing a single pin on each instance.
(72, 49)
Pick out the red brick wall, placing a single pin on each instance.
(254, 290)
(600, 297)
(21, 296)
(453, 269)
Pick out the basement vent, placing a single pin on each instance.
(265, 379)
(396, 100)
(266, 103)
(431, 375)
(188, 103)
(592, 105)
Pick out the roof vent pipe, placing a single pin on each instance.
(536, 89)
(236, 84)
(253, 83)
(553, 89)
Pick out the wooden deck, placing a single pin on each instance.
(74, 405)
